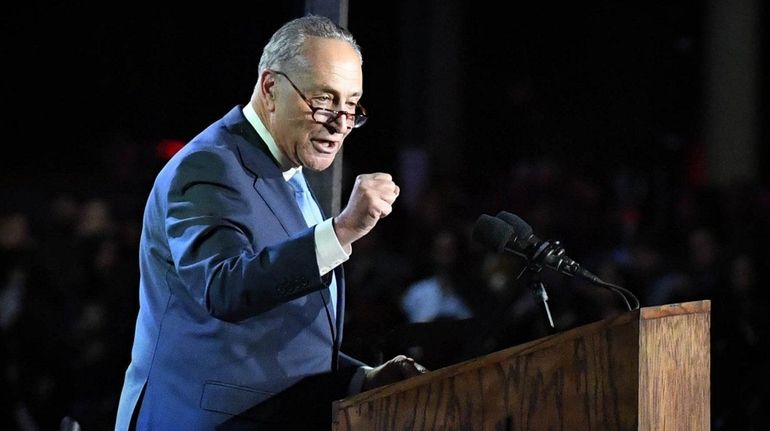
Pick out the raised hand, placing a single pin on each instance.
(371, 199)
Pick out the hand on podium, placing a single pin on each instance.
(399, 368)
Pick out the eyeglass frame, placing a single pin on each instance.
(357, 120)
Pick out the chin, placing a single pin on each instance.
(318, 163)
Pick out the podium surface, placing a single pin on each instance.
(646, 369)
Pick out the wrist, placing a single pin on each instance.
(344, 235)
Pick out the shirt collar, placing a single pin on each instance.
(256, 122)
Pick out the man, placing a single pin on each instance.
(241, 292)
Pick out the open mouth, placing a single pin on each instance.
(325, 146)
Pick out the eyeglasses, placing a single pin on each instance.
(327, 116)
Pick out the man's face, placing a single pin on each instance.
(333, 81)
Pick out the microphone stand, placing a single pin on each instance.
(538, 289)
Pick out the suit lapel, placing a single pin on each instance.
(268, 178)
(339, 276)
(279, 197)
(340, 318)
(326, 295)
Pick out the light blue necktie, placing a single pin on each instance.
(312, 214)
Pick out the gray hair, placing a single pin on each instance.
(287, 43)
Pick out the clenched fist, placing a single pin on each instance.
(372, 199)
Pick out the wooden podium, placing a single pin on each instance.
(642, 370)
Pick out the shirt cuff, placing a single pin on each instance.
(357, 382)
(328, 250)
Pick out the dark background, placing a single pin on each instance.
(585, 119)
(594, 85)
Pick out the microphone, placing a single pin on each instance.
(508, 232)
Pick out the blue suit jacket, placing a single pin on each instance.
(232, 308)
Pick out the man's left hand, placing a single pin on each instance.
(399, 368)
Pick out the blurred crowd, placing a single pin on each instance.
(69, 282)
(423, 285)
(68, 300)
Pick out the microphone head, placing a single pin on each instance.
(522, 232)
(520, 227)
(492, 232)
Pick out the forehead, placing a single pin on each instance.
(333, 63)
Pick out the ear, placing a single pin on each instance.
(268, 90)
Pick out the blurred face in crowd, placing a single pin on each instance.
(332, 79)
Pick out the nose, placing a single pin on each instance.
(340, 123)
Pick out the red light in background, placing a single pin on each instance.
(166, 148)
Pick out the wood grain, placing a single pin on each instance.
(609, 375)
(674, 381)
